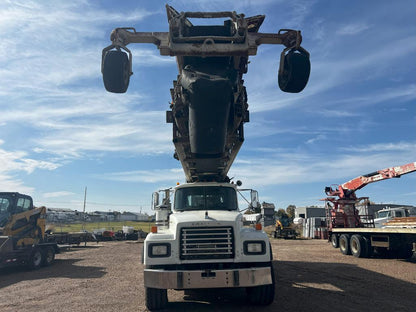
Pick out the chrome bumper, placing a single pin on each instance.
(163, 279)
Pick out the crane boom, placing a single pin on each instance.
(209, 100)
(347, 190)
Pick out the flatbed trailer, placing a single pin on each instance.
(23, 240)
(34, 256)
(363, 242)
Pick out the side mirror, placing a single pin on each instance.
(155, 200)
(254, 198)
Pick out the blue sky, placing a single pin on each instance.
(61, 131)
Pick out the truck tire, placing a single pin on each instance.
(262, 295)
(357, 246)
(334, 241)
(156, 299)
(35, 259)
(116, 71)
(344, 244)
(48, 256)
(296, 71)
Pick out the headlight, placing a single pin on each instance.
(254, 247)
(159, 250)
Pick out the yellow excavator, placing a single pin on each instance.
(22, 233)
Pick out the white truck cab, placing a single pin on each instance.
(383, 215)
(203, 244)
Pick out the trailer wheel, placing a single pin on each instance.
(262, 295)
(334, 241)
(357, 246)
(116, 71)
(296, 70)
(36, 259)
(48, 256)
(156, 299)
(344, 244)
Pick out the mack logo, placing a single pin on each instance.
(199, 223)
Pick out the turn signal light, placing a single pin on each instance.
(258, 226)
(154, 229)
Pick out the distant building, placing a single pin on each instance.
(310, 212)
(267, 210)
(132, 216)
(63, 215)
(58, 215)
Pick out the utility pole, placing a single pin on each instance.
(83, 211)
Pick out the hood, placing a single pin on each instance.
(206, 217)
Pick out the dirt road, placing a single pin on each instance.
(310, 276)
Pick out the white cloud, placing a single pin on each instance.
(384, 147)
(16, 162)
(146, 176)
(297, 167)
(9, 183)
(353, 28)
(57, 194)
(129, 132)
(319, 137)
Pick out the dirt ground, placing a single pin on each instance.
(310, 276)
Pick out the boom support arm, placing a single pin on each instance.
(347, 190)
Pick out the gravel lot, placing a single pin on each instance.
(310, 276)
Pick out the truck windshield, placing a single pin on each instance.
(206, 198)
(383, 214)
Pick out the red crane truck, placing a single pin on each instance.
(354, 232)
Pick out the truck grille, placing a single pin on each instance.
(207, 243)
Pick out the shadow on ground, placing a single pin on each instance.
(306, 286)
(60, 268)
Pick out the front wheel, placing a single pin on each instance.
(48, 256)
(334, 241)
(36, 259)
(262, 295)
(156, 299)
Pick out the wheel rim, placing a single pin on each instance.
(37, 258)
(49, 256)
(354, 246)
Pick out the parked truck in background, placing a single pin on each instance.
(200, 241)
(355, 233)
(22, 233)
(384, 215)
